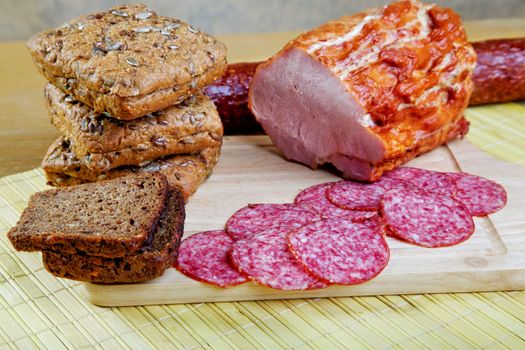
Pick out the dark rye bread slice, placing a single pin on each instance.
(149, 262)
(109, 218)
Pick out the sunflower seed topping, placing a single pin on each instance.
(84, 124)
(142, 147)
(119, 13)
(132, 62)
(193, 29)
(159, 141)
(97, 50)
(142, 29)
(173, 47)
(173, 25)
(113, 46)
(103, 163)
(199, 116)
(192, 68)
(143, 15)
(69, 99)
(187, 141)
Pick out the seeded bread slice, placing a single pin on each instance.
(150, 262)
(184, 171)
(128, 61)
(104, 143)
(110, 218)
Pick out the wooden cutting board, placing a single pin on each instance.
(251, 171)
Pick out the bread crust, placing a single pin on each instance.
(128, 61)
(184, 171)
(102, 143)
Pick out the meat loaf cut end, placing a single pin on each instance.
(111, 218)
(368, 92)
(128, 61)
(149, 262)
(183, 171)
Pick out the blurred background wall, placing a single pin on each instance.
(19, 19)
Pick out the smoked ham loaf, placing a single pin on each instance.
(370, 91)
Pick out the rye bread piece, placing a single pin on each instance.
(183, 171)
(128, 61)
(110, 218)
(149, 262)
(103, 143)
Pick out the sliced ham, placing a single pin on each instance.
(368, 92)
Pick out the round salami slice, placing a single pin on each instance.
(204, 257)
(267, 260)
(426, 180)
(426, 219)
(481, 196)
(316, 196)
(256, 218)
(340, 251)
(361, 196)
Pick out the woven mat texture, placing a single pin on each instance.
(38, 310)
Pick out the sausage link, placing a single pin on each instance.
(499, 75)
(230, 95)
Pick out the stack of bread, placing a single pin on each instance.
(125, 93)
(120, 230)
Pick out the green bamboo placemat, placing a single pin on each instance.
(38, 310)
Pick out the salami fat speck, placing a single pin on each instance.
(481, 196)
(204, 257)
(426, 180)
(340, 251)
(267, 259)
(361, 196)
(426, 219)
(256, 218)
(317, 197)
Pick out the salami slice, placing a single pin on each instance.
(481, 196)
(426, 219)
(256, 218)
(426, 180)
(362, 196)
(376, 224)
(340, 251)
(267, 260)
(319, 285)
(204, 257)
(317, 197)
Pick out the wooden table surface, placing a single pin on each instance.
(25, 131)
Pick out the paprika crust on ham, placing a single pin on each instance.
(370, 91)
